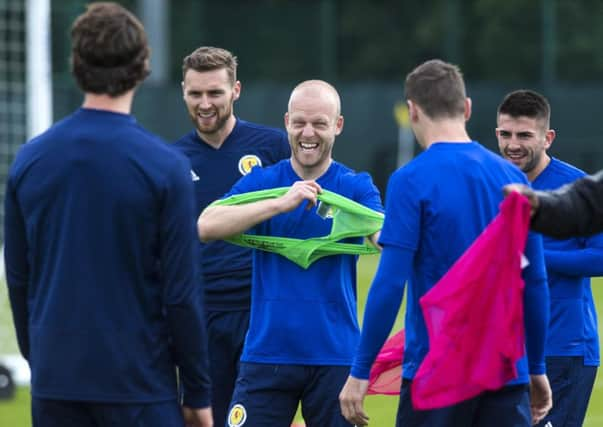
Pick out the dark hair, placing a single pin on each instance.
(208, 58)
(526, 103)
(109, 50)
(438, 88)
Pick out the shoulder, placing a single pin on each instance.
(556, 174)
(347, 174)
(261, 134)
(158, 153)
(157, 143)
(260, 129)
(260, 178)
(185, 140)
(33, 149)
(273, 172)
(189, 145)
(565, 169)
(498, 167)
(351, 183)
(24, 157)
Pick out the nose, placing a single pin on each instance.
(514, 144)
(204, 102)
(308, 130)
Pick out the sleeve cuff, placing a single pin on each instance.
(197, 399)
(537, 368)
(362, 373)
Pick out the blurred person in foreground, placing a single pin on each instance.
(572, 346)
(303, 327)
(221, 149)
(575, 209)
(100, 252)
(436, 206)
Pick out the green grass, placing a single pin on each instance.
(15, 412)
(381, 409)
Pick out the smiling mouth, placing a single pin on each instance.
(308, 146)
(206, 115)
(515, 156)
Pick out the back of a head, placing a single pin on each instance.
(209, 58)
(438, 88)
(526, 103)
(109, 52)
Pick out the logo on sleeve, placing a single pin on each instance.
(194, 176)
(237, 416)
(248, 162)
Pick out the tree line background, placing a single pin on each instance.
(365, 48)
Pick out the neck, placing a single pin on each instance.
(534, 173)
(312, 172)
(446, 130)
(217, 138)
(117, 104)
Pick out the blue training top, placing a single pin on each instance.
(304, 316)
(227, 267)
(100, 251)
(436, 206)
(570, 264)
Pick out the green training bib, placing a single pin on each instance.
(350, 219)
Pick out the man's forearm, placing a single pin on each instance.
(219, 222)
(575, 209)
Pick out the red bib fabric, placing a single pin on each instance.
(386, 372)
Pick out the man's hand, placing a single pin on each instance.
(541, 397)
(300, 191)
(351, 401)
(197, 417)
(526, 191)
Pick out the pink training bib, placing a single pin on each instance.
(474, 315)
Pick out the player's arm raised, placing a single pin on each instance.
(219, 222)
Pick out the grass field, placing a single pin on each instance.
(381, 409)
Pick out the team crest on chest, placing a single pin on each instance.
(237, 416)
(247, 162)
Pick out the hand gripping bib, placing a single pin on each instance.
(350, 219)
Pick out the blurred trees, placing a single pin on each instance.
(381, 40)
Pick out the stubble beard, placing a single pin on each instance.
(221, 121)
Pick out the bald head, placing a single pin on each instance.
(313, 120)
(317, 89)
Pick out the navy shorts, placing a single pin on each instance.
(69, 413)
(226, 332)
(572, 384)
(268, 395)
(507, 407)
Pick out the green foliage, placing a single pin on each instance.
(357, 40)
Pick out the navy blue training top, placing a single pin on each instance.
(100, 259)
(227, 267)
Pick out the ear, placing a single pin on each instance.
(182, 86)
(468, 104)
(549, 137)
(286, 120)
(339, 125)
(413, 111)
(236, 89)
